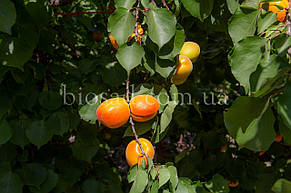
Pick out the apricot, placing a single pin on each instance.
(144, 107)
(223, 148)
(134, 154)
(281, 13)
(113, 113)
(184, 69)
(191, 50)
(278, 138)
(113, 42)
(232, 184)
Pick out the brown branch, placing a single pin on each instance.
(276, 92)
(165, 4)
(131, 120)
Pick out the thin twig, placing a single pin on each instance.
(165, 4)
(131, 120)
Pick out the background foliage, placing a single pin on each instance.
(51, 142)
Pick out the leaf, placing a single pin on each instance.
(282, 186)
(155, 187)
(37, 133)
(245, 59)
(174, 177)
(121, 25)
(266, 21)
(88, 111)
(164, 176)
(124, 3)
(251, 122)
(50, 100)
(5, 103)
(48, 185)
(161, 26)
(232, 5)
(58, 123)
(130, 56)
(19, 136)
(242, 25)
(7, 16)
(163, 99)
(217, 184)
(38, 13)
(5, 132)
(113, 74)
(174, 93)
(92, 186)
(199, 9)
(84, 152)
(15, 52)
(132, 173)
(140, 182)
(178, 43)
(10, 183)
(34, 174)
(284, 106)
(140, 128)
(167, 116)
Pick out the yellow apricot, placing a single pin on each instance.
(191, 50)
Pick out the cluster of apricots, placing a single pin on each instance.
(278, 7)
(188, 54)
(115, 112)
(139, 37)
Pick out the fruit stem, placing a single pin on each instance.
(130, 118)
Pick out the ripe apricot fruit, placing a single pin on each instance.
(281, 13)
(223, 148)
(191, 50)
(134, 154)
(144, 107)
(278, 138)
(113, 113)
(232, 184)
(184, 69)
(113, 42)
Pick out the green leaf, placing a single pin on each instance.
(83, 151)
(174, 177)
(242, 25)
(245, 59)
(266, 21)
(10, 183)
(217, 184)
(140, 182)
(174, 93)
(48, 185)
(121, 25)
(58, 123)
(132, 173)
(124, 3)
(34, 174)
(163, 99)
(19, 136)
(199, 9)
(5, 132)
(285, 131)
(15, 52)
(178, 44)
(161, 26)
(50, 100)
(38, 13)
(7, 16)
(92, 186)
(268, 69)
(164, 176)
(251, 122)
(113, 74)
(282, 186)
(232, 5)
(155, 187)
(5, 103)
(284, 106)
(130, 56)
(88, 111)
(140, 127)
(38, 134)
(167, 115)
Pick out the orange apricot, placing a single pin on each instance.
(113, 42)
(143, 107)
(134, 154)
(191, 50)
(232, 184)
(281, 13)
(184, 69)
(113, 113)
(223, 148)
(278, 138)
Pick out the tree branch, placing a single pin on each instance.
(131, 120)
